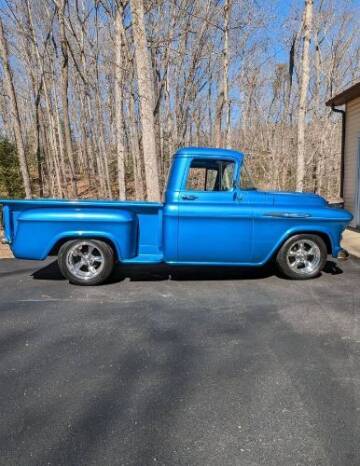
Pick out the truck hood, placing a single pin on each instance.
(297, 199)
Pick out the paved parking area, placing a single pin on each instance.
(210, 367)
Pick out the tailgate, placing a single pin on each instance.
(6, 224)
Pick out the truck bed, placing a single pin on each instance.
(35, 228)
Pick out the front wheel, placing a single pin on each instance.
(86, 261)
(302, 256)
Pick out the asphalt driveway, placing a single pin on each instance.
(210, 367)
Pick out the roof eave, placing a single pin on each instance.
(351, 93)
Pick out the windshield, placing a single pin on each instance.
(246, 182)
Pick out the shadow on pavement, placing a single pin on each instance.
(159, 272)
(332, 268)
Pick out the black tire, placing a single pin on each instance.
(290, 252)
(102, 261)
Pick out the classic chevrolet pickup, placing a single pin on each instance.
(212, 215)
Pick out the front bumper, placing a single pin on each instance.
(342, 255)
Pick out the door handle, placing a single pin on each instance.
(189, 198)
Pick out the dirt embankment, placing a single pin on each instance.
(5, 252)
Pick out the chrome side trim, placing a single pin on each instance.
(287, 215)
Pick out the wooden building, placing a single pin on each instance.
(349, 100)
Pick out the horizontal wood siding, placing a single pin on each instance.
(351, 180)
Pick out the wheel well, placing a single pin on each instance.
(55, 249)
(322, 235)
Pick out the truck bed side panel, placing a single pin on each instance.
(33, 228)
(39, 230)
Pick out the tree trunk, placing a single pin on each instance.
(118, 74)
(102, 148)
(304, 84)
(135, 150)
(218, 118)
(226, 107)
(146, 96)
(60, 140)
(15, 111)
(64, 96)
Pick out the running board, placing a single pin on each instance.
(144, 259)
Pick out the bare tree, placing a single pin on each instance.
(61, 4)
(304, 84)
(146, 97)
(118, 84)
(14, 110)
(227, 12)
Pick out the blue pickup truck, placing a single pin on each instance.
(211, 215)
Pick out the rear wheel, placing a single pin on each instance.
(86, 261)
(302, 256)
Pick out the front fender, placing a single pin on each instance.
(273, 226)
(333, 237)
(265, 251)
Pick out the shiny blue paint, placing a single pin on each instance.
(235, 227)
(117, 226)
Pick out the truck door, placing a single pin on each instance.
(214, 227)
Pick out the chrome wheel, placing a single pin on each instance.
(85, 260)
(304, 257)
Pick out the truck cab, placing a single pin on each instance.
(212, 215)
(204, 190)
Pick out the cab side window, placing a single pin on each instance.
(210, 175)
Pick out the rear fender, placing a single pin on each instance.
(72, 235)
(40, 230)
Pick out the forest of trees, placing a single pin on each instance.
(96, 95)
